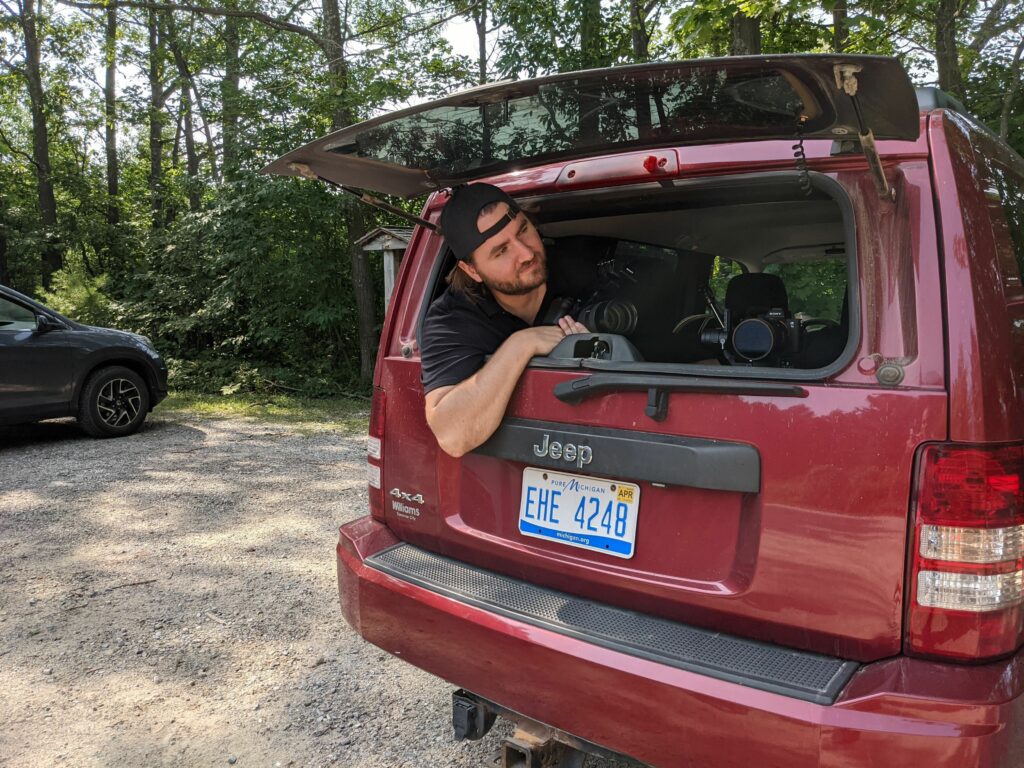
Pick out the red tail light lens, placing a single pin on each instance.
(967, 574)
(375, 453)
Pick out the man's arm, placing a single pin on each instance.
(463, 416)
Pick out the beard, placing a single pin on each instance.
(524, 282)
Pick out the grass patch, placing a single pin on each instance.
(342, 414)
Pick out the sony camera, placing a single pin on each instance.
(771, 338)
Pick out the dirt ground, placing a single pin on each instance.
(170, 599)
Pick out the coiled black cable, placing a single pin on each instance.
(801, 161)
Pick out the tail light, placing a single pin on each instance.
(967, 574)
(375, 453)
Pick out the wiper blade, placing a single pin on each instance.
(577, 390)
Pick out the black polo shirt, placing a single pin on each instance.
(459, 333)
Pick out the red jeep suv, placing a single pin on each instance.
(769, 512)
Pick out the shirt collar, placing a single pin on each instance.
(489, 304)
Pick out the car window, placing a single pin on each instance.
(14, 317)
(1010, 189)
(722, 271)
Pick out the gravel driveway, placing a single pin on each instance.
(170, 599)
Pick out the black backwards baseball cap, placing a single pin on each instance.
(458, 219)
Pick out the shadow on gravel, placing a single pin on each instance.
(43, 432)
(170, 599)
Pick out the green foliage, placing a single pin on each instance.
(815, 288)
(245, 284)
(722, 271)
(79, 296)
(559, 36)
(261, 276)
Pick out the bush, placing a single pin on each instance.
(80, 296)
(261, 276)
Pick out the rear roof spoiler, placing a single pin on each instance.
(935, 98)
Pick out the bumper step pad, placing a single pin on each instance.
(798, 674)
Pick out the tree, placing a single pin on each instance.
(110, 117)
(28, 14)
(746, 35)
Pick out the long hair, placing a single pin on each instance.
(462, 283)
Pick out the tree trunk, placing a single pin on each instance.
(1011, 92)
(196, 98)
(52, 254)
(191, 158)
(480, 19)
(590, 57)
(366, 300)
(746, 35)
(5, 275)
(590, 35)
(342, 114)
(110, 117)
(155, 179)
(840, 29)
(229, 89)
(947, 52)
(639, 35)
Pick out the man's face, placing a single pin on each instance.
(511, 262)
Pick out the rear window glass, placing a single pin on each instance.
(1009, 186)
(625, 107)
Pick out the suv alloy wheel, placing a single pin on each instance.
(115, 401)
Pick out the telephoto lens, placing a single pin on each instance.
(612, 316)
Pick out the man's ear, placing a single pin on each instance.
(470, 270)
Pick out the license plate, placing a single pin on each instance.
(584, 512)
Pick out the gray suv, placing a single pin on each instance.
(51, 366)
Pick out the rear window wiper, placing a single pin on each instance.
(658, 387)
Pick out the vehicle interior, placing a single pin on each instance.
(750, 272)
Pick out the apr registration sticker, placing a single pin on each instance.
(584, 512)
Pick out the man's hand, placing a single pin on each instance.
(570, 326)
(541, 339)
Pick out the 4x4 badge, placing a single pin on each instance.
(399, 494)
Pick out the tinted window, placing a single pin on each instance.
(14, 317)
(618, 109)
(1010, 187)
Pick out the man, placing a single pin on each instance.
(496, 294)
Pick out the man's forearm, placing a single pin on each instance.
(470, 412)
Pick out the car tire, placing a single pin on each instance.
(114, 402)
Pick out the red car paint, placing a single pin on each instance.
(817, 561)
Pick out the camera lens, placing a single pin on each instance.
(754, 339)
(612, 316)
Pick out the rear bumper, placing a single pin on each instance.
(889, 713)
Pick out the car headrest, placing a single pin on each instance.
(753, 294)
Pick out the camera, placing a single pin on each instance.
(604, 311)
(770, 338)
